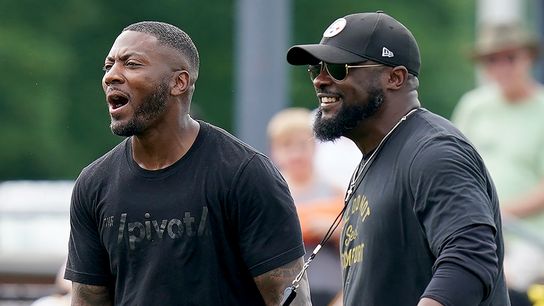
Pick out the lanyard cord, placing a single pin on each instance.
(290, 292)
(326, 238)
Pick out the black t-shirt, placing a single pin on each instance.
(195, 233)
(425, 188)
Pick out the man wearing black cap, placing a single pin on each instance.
(422, 223)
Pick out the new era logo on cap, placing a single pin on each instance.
(387, 53)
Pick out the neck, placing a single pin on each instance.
(519, 93)
(163, 145)
(368, 135)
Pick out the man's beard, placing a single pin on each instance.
(151, 108)
(347, 118)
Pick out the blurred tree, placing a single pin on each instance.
(53, 118)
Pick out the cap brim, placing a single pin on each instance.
(313, 54)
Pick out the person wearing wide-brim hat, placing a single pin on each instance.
(503, 118)
(500, 37)
(507, 52)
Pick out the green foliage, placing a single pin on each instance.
(53, 118)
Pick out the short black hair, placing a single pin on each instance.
(173, 37)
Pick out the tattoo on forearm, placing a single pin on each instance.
(272, 284)
(87, 295)
(286, 273)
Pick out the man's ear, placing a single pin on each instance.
(182, 81)
(397, 77)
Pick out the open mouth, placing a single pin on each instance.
(117, 100)
(328, 100)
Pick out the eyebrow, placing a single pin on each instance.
(124, 56)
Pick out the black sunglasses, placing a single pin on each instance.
(338, 72)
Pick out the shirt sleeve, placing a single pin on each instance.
(452, 284)
(87, 258)
(453, 195)
(451, 189)
(266, 219)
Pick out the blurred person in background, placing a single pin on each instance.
(292, 149)
(503, 118)
(327, 153)
(180, 212)
(422, 224)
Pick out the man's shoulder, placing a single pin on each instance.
(226, 143)
(230, 156)
(429, 125)
(104, 163)
(431, 131)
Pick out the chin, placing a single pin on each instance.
(326, 114)
(125, 129)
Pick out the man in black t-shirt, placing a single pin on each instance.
(422, 224)
(180, 212)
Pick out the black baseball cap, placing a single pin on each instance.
(358, 37)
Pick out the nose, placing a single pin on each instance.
(323, 79)
(112, 75)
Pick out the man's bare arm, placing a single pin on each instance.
(428, 302)
(87, 295)
(272, 284)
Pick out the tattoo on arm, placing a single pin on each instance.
(272, 284)
(87, 295)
